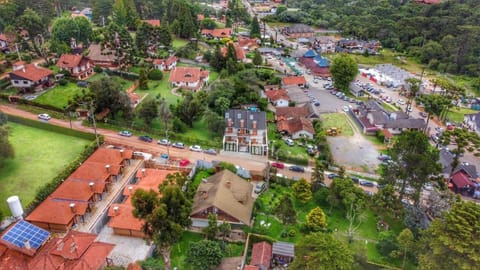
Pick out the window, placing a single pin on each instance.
(15, 81)
(239, 116)
(25, 82)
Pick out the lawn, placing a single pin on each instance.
(123, 82)
(338, 120)
(39, 156)
(297, 151)
(178, 43)
(162, 88)
(456, 114)
(59, 95)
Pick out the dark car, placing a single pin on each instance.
(83, 84)
(178, 145)
(210, 151)
(332, 175)
(355, 179)
(366, 183)
(296, 168)
(146, 138)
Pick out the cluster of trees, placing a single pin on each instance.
(6, 149)
(445, 36)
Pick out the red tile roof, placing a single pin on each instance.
(274, 95)
(200, 17)
(110, 156)
(248, 42)
(43, 259)
(187, 74)
(95, 171)
(295, 125)
(293, 80)
(73, 245)
(461, 180)
(285, 113)
(78, 190)
(261, 254)
(167, 62)
(121, 214)
(32, 72)
(71, 60)
(13, 260)
(218, 33)
(239, 52)
(56, 211)
(250, 267)
(154, 23)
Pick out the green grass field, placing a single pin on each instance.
(178, 43)
(60, 95)
(338, 120)
(456, 114)
(162, 88)
(39, 156)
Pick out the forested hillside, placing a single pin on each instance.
(444, 36)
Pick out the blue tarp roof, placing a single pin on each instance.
(310, 53)
(321, 62)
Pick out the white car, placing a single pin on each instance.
(345, 108)
(401, 102)
(44, 116)
(195, 148)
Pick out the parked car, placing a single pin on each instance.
(289, 142)
(125, 133)
(184, 162)
(210, 151)
(345, 108)
(316, 103)
(164, 156)
(278, 165)
(44, 116)
(384, 157)
(195, 148)
(146, 138)
(401, 102)
(366, 183)
(164, 142)
(423, 114)
(259, 188)
(178, 145)
(332, 175)
(355, 179)
(296, 168)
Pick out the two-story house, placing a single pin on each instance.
(298, 31)
(165, 64)
(246, 131)
(80, 67)
(192, 78)
(30, 75)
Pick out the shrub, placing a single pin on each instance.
(292, 233)
(156, 75)
(316, 219)
(98, 69)
(63, 82)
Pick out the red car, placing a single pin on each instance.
(184, 162)
(278, 165)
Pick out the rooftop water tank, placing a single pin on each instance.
(15, 206)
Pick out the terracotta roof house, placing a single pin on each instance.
(96, 172)
(30, 75)
(166, 64)
(57, 215)
(122, 220)
(279, 98)
(79, 66)
(461, 182)
(239, 52)
(110, 156)
(245, 131)
(217, 33)
(79, 191)
(261, 255)
(248, 44)
(287, 113)
(294, 80)
(298, 31)
(192, 78)
(296, 128)
(226, 195)
(7, 43)
(154, 23)
(103, 57)
(250, 267)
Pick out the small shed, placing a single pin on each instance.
(283, 252)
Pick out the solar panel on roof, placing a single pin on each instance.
(23, 231)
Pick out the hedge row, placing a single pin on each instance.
(50, 187)
(127, 75)
(292, 159)
(50, 127)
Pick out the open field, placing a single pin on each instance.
(39, 156)
(178, 43)
(456, 114)
(338, 120)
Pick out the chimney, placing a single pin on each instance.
(143, 172)
(242, 123)
(73, 247)
(26, 244)
(204, 195)
(72, 207)
(130, 189)
(23, 69)
(254, 124)
(91, 184)
(121, 152)
(108, 168)
(115, 210)
(228, 184)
